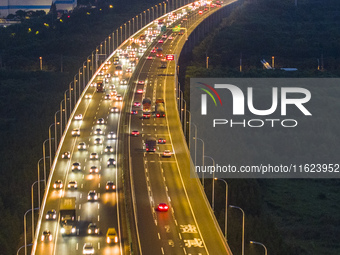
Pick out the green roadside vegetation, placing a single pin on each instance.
(289, 216)
(30, 97)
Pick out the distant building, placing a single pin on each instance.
(11, 6)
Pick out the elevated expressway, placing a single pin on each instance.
(189, 226)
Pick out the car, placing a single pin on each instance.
(129, 70)
(92, 196)
(146, 115)
(76, 132)
(46, 236)
(98, 131)
(82, 146)
(167, 154)
(162, 207)
(110, 186)
(161, 141)
(58, 184)
(132, 63)
(94, 170)
(51, 215)
(88, 96)
(135, 133)
(72, 185)
(112, 86)
(111, 162)
(163, 66)
(114, 109)
(92, 229)
(164, 36)
(66, 155)
(78, 117)
(200, 12)
(136, 104)
(160, 41)
(76, 166)
(123, 82)
(111, 236)
(111, 135)
(134, 111)
(119, 97)
(149, 57)
(140, 91)
(141, 82)
(88, 248)
(100, 121)
(107, 97)
(98, 141)
(113, 94)
(153, 50)
(94, 155)
(108, 149)
(170, 37)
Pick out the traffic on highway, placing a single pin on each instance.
(80, 211)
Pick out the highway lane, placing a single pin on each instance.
(153, 178)
(104, 212)
(187, 228)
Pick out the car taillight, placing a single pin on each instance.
(157, 115)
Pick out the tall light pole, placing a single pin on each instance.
(25, 228)
(213, 185)
(195, 142)
(44, 156)
(236, 207)
(50, 143)
(226, 207)
(189, 122)
(55, 129)
(265, 248)
(32, 206)
(202, 159)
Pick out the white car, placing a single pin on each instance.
(108, 149)
(92, 195)
(114, 110)
(119, 97)
(111, 135)
(98, 141)
(88, 96)
(100, 121)
(72, 185)
(94, 155)
(78, 117)
(94, 169)
(88, 248)
(82, 146)
(76, 132)
(98, 131)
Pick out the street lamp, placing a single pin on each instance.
(195, 141)
(25, 228)
(49, 143)
(213, 184)
(236, 207)
(32, 203)
(44, 157)
(55, 129)
(189, 122)
(23, 247)
(196, 138)
(265, 248)
(226, 207)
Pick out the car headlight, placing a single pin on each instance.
(62, 230)
(54, 216)
(88, 197)
(95, 197)
(42, 238)
(89, 231)
(47, 217)
(73, 230)
(108, 240)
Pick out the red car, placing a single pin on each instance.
(135, 133)
(163, 207)
(161, 141)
